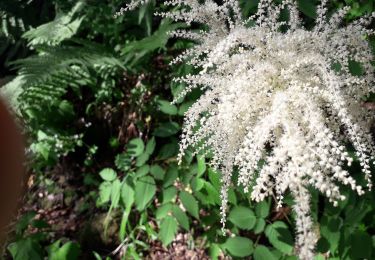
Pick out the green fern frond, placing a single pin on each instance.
(64, 26)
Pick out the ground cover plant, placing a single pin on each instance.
(94, 93)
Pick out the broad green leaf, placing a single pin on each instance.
(69, 251)
(239, 246)
(167, 129)
(150, 146)
(330, 228)
(123, 162)
(170, 176)
(115, 193)
(105, 192)
(142, 159)
(145, 189)
(26, 249)
(108, 174)
(197, 184)
(279, 236)
(135, 147)
(189, 203)
(163, 211)
(169, 194)
(168, 150)
(242, 217)
(263, 253)
(361, 245)
(127, 195)
(157, 172)
(142, 171)
(201, 165)
(259, 226)
(167, 108)
(215, 251)
(262, 209)
(184, 107)
(181, 217)
(168, 230)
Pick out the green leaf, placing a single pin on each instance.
(127, 195)
(262, 209)
(330, 228)
(201, 165)
(108, 174)
(197, 184)
(123, 162)
(168, 230)
(150, 146)
(308, 8)
(242, 217)
(167, 108)
(239, 246)
(145, 189)
(361, 245)
(135, 147)
(181, 217)
(142, 171)
(167, 129)
(168, 150)
(25, 249)
(263, 253)
(163, 211)
(279, 236)
(105, 192)
(170, 176)
(142, 159)
(190, 203)
(115, 193)
(69, 251)
(169, 194)
(259, 226)
(157, 172)
(184, 107)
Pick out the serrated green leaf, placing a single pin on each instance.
(157, 172)
(262, 209)
(167, 129)
(181, 217)
(142, 159)
(201, 165)
(142, 171)
(259, 226)
(168, 230)
(26, 249)
(239, 246)
(163, 211)
(145, 189)
(189, 203)
(170, 176)
(263, 253)
(104, 192)
(279, 236)
(150, 146)
(127, 195)
(115, 193)
(108, 174)
(169, 194)
(167, 108)
(242, 217)
(135, 147)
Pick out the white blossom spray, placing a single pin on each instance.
(279, 93)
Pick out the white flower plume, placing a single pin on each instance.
(279, 93)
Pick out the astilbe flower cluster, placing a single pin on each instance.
(277, 93)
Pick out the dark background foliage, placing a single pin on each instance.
(93, 95)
